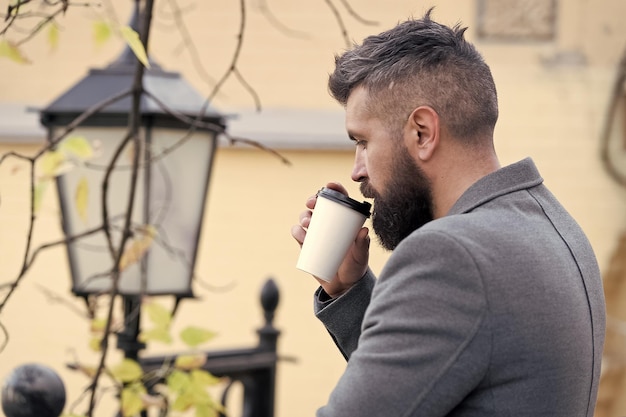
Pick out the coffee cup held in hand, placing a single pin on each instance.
(334, 225)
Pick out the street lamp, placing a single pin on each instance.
(173, 179)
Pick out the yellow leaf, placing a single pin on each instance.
(50, 163)
(132, 39)
(78, 146)
(178, 381)
(194, 336)
(188, 362)
(40, 189)
(205, 410)
(132, 401)
(54, 163)
(183, 402)
(158, 334)
(101, 32)
(10, 50)
(127, 371)
(204, 378)
(98, 325)
(95, 344)
(53, 35)
(81, 198)
(138, 248)
(159, 315)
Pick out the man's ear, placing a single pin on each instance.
(422, 132)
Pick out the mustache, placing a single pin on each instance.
(368, 191)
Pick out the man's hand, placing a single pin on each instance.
(354, 265)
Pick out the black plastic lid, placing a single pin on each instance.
(363, 208)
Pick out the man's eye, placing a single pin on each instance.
(360, 143)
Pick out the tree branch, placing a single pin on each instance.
(616, 96)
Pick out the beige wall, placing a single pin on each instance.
(552, 112)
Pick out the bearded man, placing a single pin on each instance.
(491, 303)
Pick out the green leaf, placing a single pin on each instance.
(127, 371)
(132, 39)
(132, 403)
(81, 198)
(178, 381)
(199, 394)
(189, 362)
(98, 325)
(95, 344)
(159, 315)
(203, 378)
(101, 32)
(78, 146)
(205, 410)
(40, 190)
(183, 402)
(10, 50)
(53, 35)
(193, 336)
(53, 163)
(158, 334)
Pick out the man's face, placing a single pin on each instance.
(387, 173)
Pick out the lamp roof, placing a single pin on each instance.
(100, 84)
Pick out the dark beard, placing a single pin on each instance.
(404, 207)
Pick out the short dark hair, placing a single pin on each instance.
(421, 62)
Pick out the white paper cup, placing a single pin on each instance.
(334, 225)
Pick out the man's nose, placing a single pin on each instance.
(359, 171)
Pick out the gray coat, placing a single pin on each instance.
(496, 309)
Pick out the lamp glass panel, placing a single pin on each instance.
(178, 187)
(169, 199)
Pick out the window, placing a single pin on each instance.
(525, 20)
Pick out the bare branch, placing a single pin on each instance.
(616, 96)
(354, 14)
(64, 241)
(28, 261)
(248, 87)
(187, 40)
(260, 146)
(14, 154)
(195, 123)
(340, 22)
(56, 298)
(40, 26)
(82, 117)
(14, 13)
(5, 342)
(274, 21)
(233, 64)
(133, 124)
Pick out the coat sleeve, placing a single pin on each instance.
(424, 343)
(343, 316)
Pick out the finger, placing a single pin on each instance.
(362, 240)
(298, 233)
(337, 187)
(305, 218)
(310, 202)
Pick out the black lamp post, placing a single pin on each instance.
(173, 179)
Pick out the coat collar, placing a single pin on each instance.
(515, 177)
